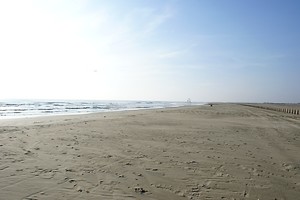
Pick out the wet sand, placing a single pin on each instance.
(222, 152)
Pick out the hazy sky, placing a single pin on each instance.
(206, 50)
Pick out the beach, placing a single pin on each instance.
(227, 151)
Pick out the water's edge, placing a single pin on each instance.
(31, 108)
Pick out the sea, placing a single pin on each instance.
(34, 108)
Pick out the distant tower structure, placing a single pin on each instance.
(189, 101)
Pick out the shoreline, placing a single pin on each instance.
(45, 118)
(226, 151)
(31, 108)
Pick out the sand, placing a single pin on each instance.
(220, 152)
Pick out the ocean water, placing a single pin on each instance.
(34, 108)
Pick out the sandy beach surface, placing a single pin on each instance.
(222, 152)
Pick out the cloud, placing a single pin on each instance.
(157, 20)
(171, 54)
(135, 27)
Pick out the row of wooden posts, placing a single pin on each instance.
(285, 110)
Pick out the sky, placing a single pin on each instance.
(172, 50)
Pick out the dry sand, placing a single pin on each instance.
(220, 152)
